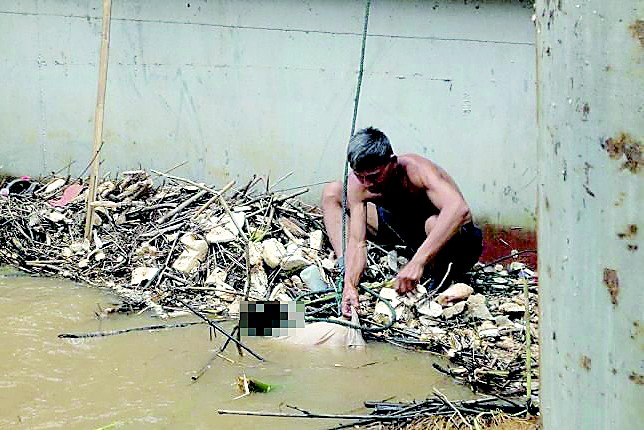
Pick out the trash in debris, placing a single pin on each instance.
(191, 240)
(312, 278)
(250, 385)
(454, 293)
(70, 193)
(452, 311)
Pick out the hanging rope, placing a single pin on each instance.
(356, 101)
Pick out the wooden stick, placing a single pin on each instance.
(127, 330)
(181, 207)
(280, 180)
(213, 198)
(98, 116)
(528, 350)
(212, 324)
(451, 405)
(187, 181)
(223, 203)
(311, 415)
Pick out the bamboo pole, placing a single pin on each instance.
(98, 117)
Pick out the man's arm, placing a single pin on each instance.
(453, 213)
(356, 255)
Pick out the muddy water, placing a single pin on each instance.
(142, 380)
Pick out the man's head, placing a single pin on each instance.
(371, 157)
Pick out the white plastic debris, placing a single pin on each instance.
(258, 282)
(143, 273)
(80, 247)
(194, 253)
(315, 240)
(430, 309)
(452, 311)
(391, 295)
(226, 229)
(55, 216)
(216, 277)
(294, 258)
(273, 252)
(255, 250)
(233, 308)
(54, 185)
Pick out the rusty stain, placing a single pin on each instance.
(585, 362)
(625, 145)
(631, 231)
(636, 378)
(612, 283)
(637, 30)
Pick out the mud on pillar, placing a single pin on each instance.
(590, 95)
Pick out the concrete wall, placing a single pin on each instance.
(243, 87)
(591, 206)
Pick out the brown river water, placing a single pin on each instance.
(143, 379)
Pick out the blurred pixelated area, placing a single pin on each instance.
(270, 318)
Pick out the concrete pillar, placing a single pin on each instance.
(590, 95)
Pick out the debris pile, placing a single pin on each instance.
(155, 243)
(159, 246)
(482, 330)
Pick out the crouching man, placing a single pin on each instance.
(403, 199)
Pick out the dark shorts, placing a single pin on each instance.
(462, 250)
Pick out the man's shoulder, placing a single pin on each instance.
(412, 158)
(415, 165)
(356, 192)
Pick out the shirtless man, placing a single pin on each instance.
(405, 199)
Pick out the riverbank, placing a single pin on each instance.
(159, 240)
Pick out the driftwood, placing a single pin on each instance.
(387, 411)
(139, 236)
(127, 330)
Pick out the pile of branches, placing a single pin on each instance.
(160, 245)
(434, 412)
(154, 243)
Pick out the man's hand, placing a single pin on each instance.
(408, 277)
(349, 300)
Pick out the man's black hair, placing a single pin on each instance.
(368, 148)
